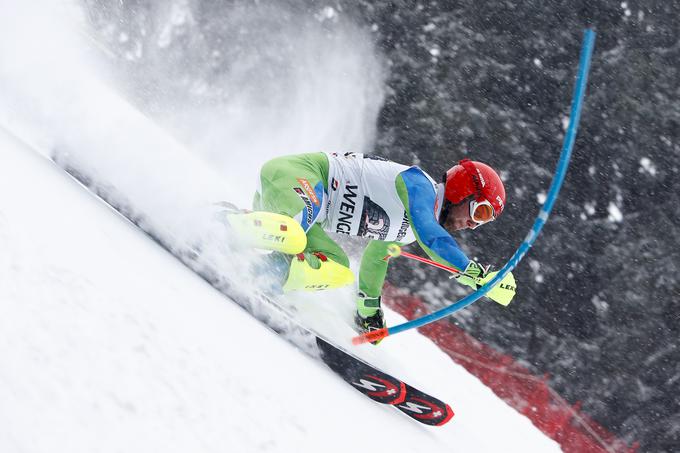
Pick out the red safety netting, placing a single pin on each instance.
(528, 394)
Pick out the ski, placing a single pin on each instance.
(425, 408)
(384, 388)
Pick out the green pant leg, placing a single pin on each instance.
(282, 176)
(279, 178)
(372, 274)
(319, 241)
(281, 182)
(374, 268)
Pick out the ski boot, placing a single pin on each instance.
(371, 323)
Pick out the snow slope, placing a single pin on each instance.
(109, 344)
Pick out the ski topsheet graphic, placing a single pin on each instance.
(373, 383)
(425, 408)
(384, 388)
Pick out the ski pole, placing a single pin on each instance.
(394, 251)
(544, 212)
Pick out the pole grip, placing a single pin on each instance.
(370, 337)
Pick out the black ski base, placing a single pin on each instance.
(384, 388)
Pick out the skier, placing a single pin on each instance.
(369, 196)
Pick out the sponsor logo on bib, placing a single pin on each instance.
(308, 204)
(310, 191)
(347, 207)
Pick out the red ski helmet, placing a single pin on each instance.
(475, 179)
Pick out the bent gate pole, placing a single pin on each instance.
(558, 179)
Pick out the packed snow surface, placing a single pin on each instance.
(110, 344)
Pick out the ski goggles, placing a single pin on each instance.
(481, 212)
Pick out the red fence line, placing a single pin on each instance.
(516, 385)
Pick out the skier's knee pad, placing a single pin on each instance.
(328, 275)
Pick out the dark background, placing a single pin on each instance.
(599, 300)
(598, 304)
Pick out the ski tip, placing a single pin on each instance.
(449, 415)
(370, 337)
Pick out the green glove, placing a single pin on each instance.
(475, 276)
(471, 275)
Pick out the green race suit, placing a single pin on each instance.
(359, 195)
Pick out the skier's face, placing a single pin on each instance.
(459, 217)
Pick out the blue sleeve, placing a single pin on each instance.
(413, 185)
